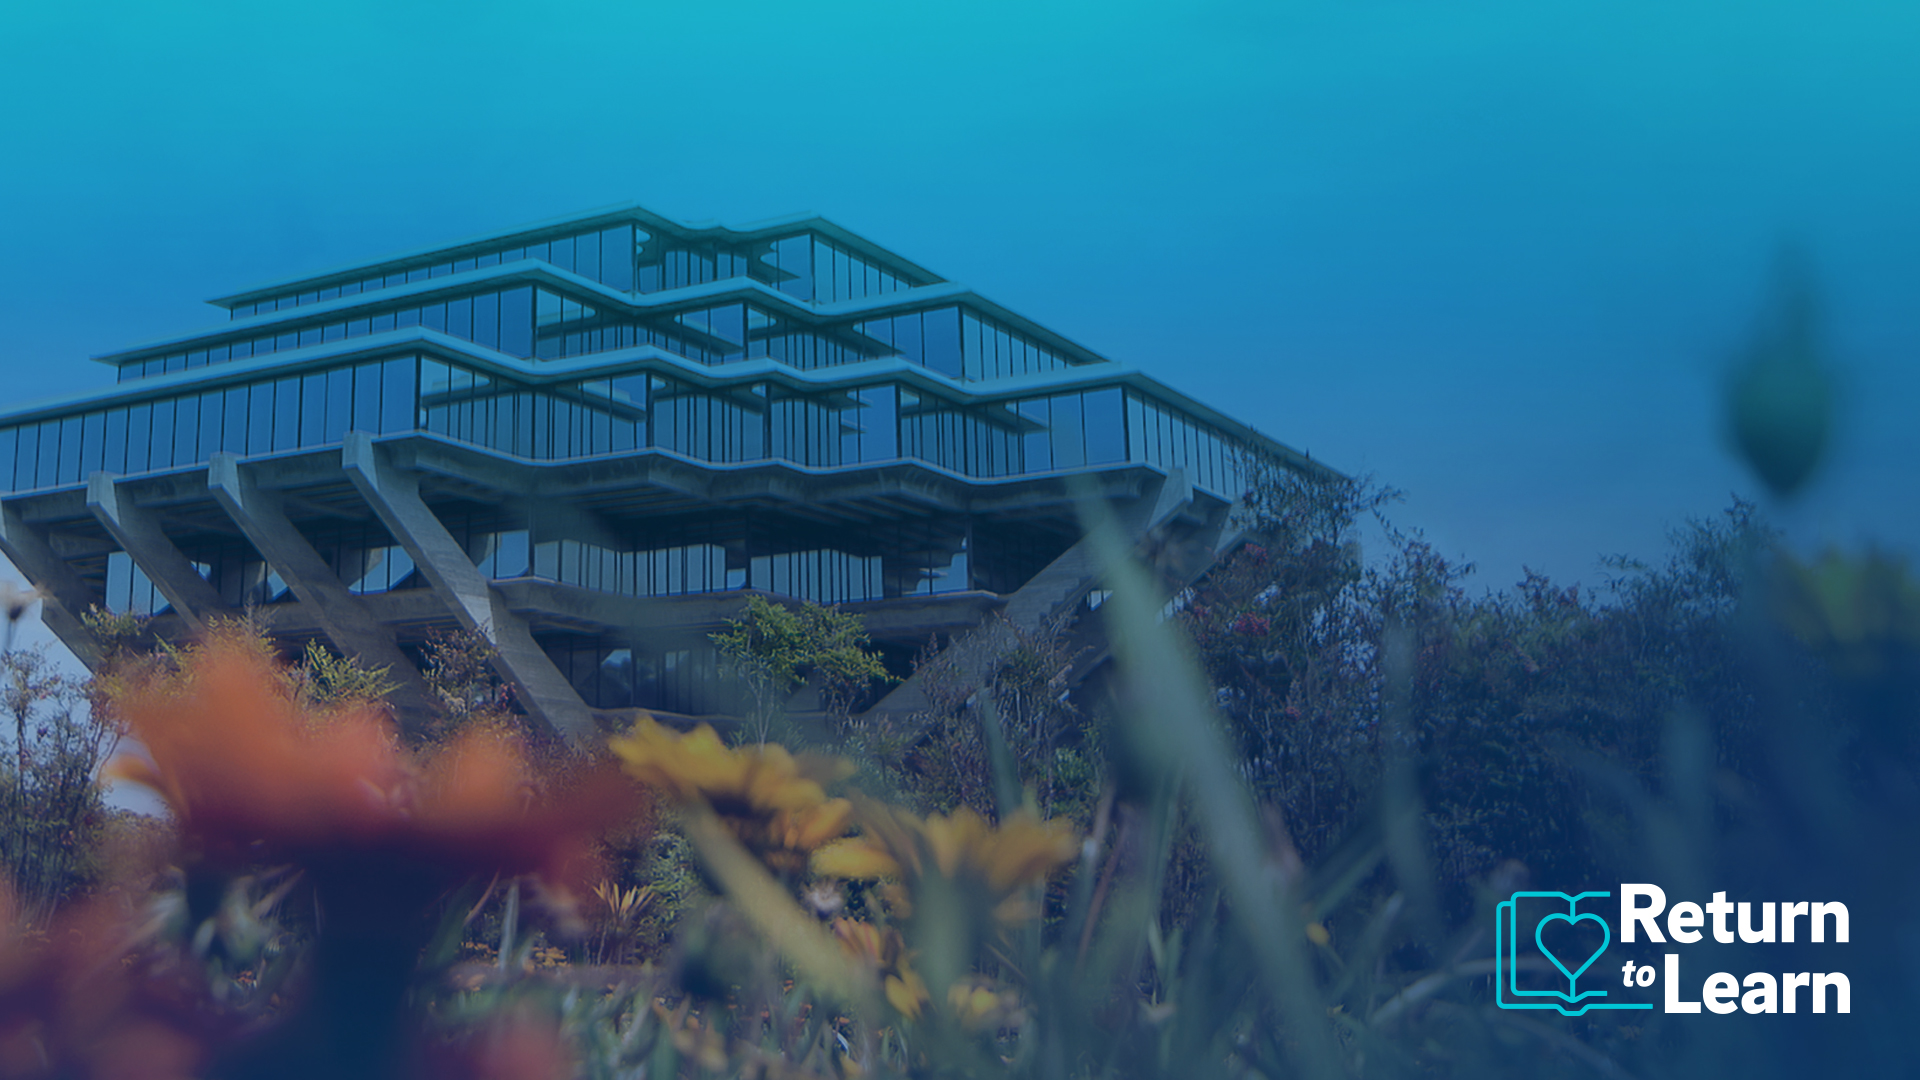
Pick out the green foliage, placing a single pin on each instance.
(51, 812)
(326, 680)
(773, 649)
(458, 670)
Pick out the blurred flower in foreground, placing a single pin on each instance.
(776, 804)
(1779, 395)
(961, 847)
(885, 952)
(251, 779)
(78, 1001)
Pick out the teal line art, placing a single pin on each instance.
(1506, 943)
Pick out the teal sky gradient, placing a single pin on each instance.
(1496, 253)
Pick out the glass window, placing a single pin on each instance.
(616, 258)
(186, 430)
(139, 426)
(396, 395)
(313, 409)
(486, 320)
(366, 399)
(260, 418)
(212, 424)
(92, 443)
(460, 318)
(491, 258)
(115, 457)
(339, 404)
(462, 265)
(1069, 451)
(516, 322)
(333, 332)
(434, 317)
(8, 439)
(406, 317)
(586, 255)
(383, 322)
(942, 330)
(1106, 431)
(160, 448)
(27, 443)
(358, 328)
(69, 434)
(793, 257)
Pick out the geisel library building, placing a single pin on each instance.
(590, 440)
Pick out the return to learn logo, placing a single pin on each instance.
(1571, 934)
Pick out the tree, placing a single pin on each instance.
(50, 795)
(775, 649)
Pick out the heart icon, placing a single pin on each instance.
(1606, 938)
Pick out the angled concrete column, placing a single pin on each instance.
(64, 596)
(394, 495)
(139, 534)
(353, 630)
(1053, 591)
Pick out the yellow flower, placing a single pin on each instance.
(775, 803)
(886, 953)
(961, 846)
(977, 1005)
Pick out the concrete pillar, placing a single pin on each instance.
(64, 596)
(1060, 585)
(354, 631)
(394, 495)
(139, 534)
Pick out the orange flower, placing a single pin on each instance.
(250, 778)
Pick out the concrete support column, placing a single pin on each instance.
(139, 534)
(64, 596)
(1061, 584)
(394, 495)
(354, 631)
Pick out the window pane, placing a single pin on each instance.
(69, 470)
(434, 317)
(115, 458)
(1069, 452)
(616, 258)
(139, 423)
(339, 404)
(186, 430)
(160, 449)
(486, 320)
(943, 341)
(212, 423)
(92, 443)
(460, 318)
(260, 418)
(586, 255)
(313, 409)
(516, 322)
(1105, 430)
(366, 399)
(396, 396)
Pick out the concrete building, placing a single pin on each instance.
(590, 439)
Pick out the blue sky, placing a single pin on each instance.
(1497, 254)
